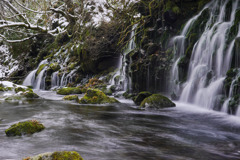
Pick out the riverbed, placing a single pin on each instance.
(120, 131)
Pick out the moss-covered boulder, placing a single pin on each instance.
(23, 128)
(71, 98)
(63, 155)
(141, 96)
(95, 96)
(69, 90)
(30, 95)
(157, 101)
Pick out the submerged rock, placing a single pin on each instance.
(69, 90)
(141, 96)
(71, 98)
(23, 128)
(157, 101)
(63, 155)
(95, 96)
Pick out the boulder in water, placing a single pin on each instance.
(63, 155)
(69, 90)
(141, 96)
(71, 98)
(157, 101)
(96, 96)
(23, 128)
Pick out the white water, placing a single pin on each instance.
(210, 55)
(125, 80)
(179, 50)
(36, 82)
(55, 79)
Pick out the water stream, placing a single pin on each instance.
(115, 132)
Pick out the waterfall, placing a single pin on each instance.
(55, 79)
(125, 82)
(39, 81)
(210, 58)
(67, 78)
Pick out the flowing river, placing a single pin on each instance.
(121, 131)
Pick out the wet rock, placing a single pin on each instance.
(141, 96)
(71, 98)
(69, 90)
(23, 128)
(157, 101)
(95, 96)
(63, 155)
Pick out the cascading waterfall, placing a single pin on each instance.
(211, 57)
(39, 81)
(125, 81)
(55, 79)
(179, 50)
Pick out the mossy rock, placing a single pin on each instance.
(54, 66)
(63, 155)
(3, 89)
(69, 90)
(96, 96)
(19, 89)
(71, 98)
(157, 101)
(141, 96)
(23, 128)
(41, 67)
(30, 95)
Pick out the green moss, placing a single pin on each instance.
(54, 67)
(71, 66)
(41, 67)
(141, 96)
(14, 98)
(69, 90)
(157, 101)
(19, 89)
(22, 128)
(63, 155)
(171, 6)
(66, 156)
(71, 98)
(95, 96)
(2, 89)
(30, 95)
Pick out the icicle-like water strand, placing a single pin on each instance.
(210, 59)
